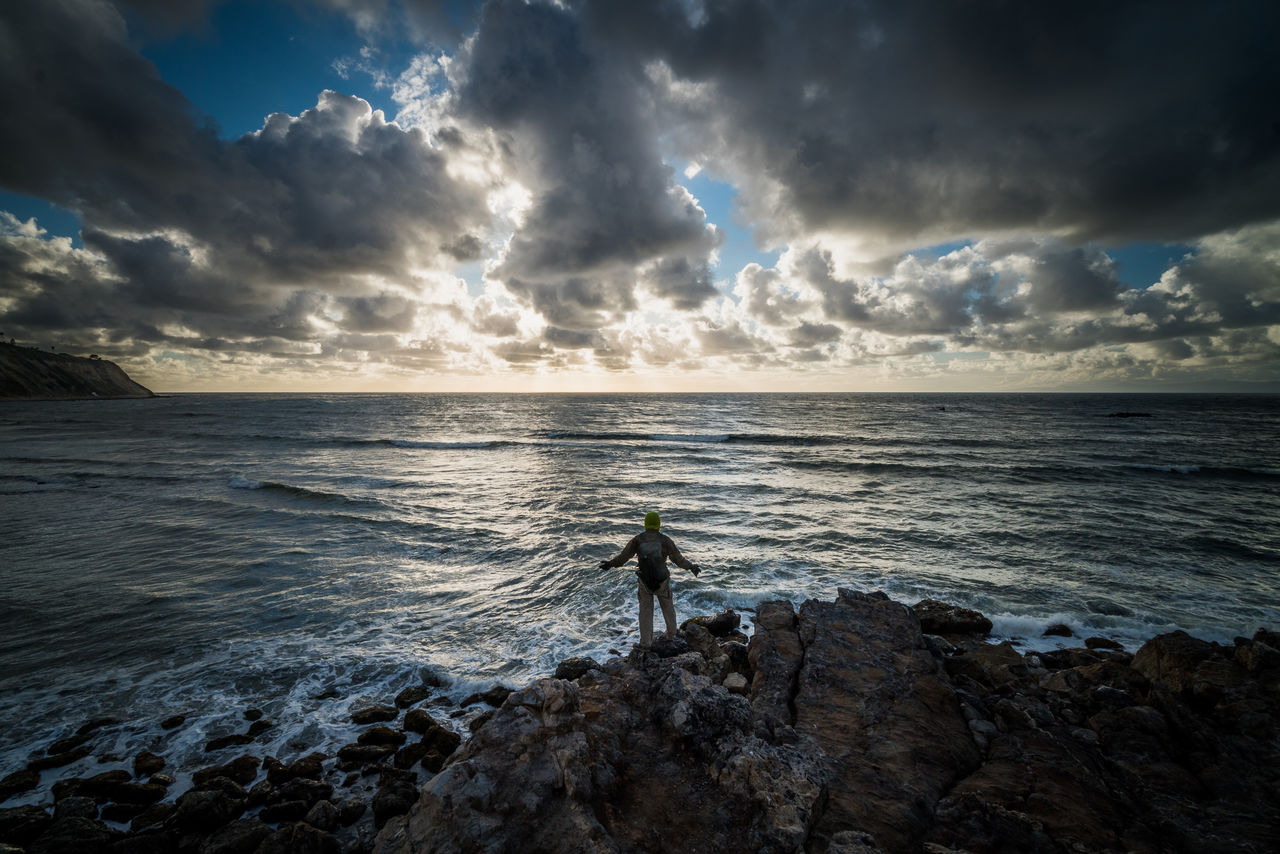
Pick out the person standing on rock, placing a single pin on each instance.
(651, 549)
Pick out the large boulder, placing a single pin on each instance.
(944, 618)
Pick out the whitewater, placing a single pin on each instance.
(308, 554)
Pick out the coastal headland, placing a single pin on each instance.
(851, 726)
(30, 374)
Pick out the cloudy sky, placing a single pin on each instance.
(679, 194)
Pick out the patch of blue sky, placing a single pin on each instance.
(56, 220)
(716, 198)
(253, 59)
(938, 250)
(1140, 265)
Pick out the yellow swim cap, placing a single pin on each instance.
(651, 521)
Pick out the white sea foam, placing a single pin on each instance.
(240, 482)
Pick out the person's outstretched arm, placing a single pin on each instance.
(673, 554)
(623, 556)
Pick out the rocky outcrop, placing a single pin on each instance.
(859, 734)
(27, 373)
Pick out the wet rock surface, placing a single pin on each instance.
(860, 732)
(853, 726)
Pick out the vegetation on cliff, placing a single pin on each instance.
(27, 373)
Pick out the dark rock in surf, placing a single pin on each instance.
(721, 625)
(243, 770)
(75, 835)
(1059, 630)
(374, 714)
(323, 815)
(96, 724)
(204, 810)
(223, 742)
(242, 836)
(173, 722)
(145, 764)
(382, 735)
(284, 811)
(494, 697)
(21, 825)
(78, 805)
(363, 754)
(943, 618)
(64, 745)
(299, 838)
(412, 695)
(58, 760)
(253, 714)
(257, 728)
(18, 782)
(1102, 643)
(351, 810)
(152, 816)
(572, 668)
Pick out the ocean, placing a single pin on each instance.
(305, 555)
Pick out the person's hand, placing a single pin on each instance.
(695, 570)
(604, 564)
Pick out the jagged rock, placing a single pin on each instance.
(419, 720)
(494, 697)
(572, 668)
(293, 810)
(299, 838)
(1102, 643)
(735, 683)
(242, 836)
(151, 842)
(721, 625)
(122, 813)
(308, 791)
(351, 810)
(382, 735)
(480, 720)
(243, 770)
(323, 815)
(222, 784)
(161, 780)
(943, 618)
(410, 755)
(896, 745)
(310, 766)
(74, 835)
(152, 816)
(391, 801)
(775, 655)
(146, 764)
(412, 695)
(374, 714)
(201, 811)
(18, 782)
(21, 825)
(566, 766)
(78, 806)
(362, 754)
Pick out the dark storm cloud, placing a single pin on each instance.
(911, 119)
(578, 131)
(212, 234)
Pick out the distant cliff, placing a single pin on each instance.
(34, 374)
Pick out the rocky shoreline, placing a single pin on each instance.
(30, 374)
(854, 726)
